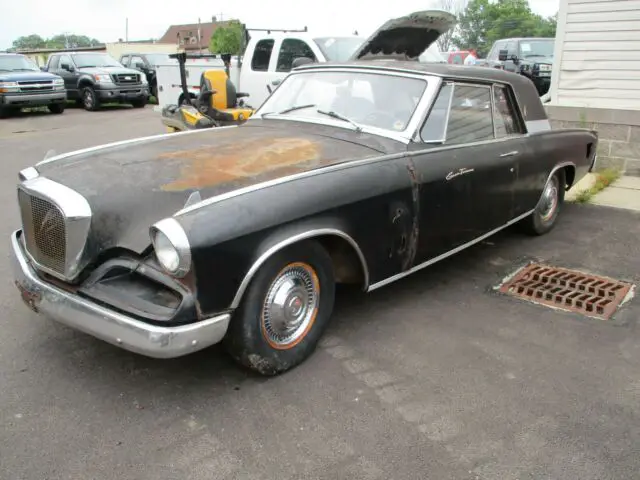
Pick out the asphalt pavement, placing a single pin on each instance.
(433, 377)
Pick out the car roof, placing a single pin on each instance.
(523, 88)
(524, 38)
(426, 68)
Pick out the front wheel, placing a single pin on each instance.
(90, 100)
(544, 217)
(56, 108)
(285, 310)
(139, 102)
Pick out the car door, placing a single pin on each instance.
(466, 176)
(67, 70)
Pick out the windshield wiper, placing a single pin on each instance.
(25, 70)
(86, 66)
(535, 55)
(290, 109)
(333, 114)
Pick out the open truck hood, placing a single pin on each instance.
(405, 38)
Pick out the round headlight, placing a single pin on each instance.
(171, 246)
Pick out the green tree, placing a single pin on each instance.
(29, 42)
(483, 22)
(227, 39)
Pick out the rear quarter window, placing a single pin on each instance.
(262, 55)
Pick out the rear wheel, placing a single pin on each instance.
(6, 112)
(544, 217)
(56, 108)
(284, 311)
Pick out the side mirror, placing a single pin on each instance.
(139, 66)
(67, 67)
(502, 55)
(514, 59)
(43, 69)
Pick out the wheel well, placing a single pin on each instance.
(84, 83)
(569, 175)
(348, 266)
(347, 259)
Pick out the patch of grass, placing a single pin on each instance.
(604, 178)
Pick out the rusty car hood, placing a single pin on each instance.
(405, 38)
(130, 186)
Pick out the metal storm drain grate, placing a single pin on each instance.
(569, 290)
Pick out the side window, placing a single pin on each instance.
(433, 130)
(53, 62)
(135, 60)
(262, 55)
(470, 118)
(65, 59)
(495, 51)
(504, 113)
(125, 60)
(511, 48)
(291, 49)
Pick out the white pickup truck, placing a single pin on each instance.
(268, 57)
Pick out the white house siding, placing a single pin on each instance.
(597, 54)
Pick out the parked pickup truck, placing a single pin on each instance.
(147, 63)
(92, 78)
(240, 234)
(22, 84)
(531, 57)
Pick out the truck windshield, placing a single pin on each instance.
(95, 60)
(16, 63)
(338, 49)
(363, 98)
(537, 48)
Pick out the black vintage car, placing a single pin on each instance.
(360, 172)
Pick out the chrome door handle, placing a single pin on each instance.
(510, 154)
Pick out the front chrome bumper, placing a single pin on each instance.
(108, 325)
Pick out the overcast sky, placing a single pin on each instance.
(105, 19)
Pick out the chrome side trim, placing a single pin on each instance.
(108, 325)
(398, 276)
(289, 241)
(77, 217)
(128, 142)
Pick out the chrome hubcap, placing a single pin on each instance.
(549, 201)
(88, 99)
(291, 305)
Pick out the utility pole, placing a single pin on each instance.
(126, 30)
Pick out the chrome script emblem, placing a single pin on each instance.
(457, 173)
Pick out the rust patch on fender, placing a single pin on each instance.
(213, 165)
(412, 249)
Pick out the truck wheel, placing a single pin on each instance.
(544, 217)
(90, 100)
(6, 112)
(56, 107)
(139, 102)
(285, 310)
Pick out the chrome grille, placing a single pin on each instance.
(126, 78)
(44, 231)
(36, 86)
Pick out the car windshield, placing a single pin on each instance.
(17, 63)
(338, 49)
(361, 98)
(537, 48)
(95, 60)
(159, 58)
